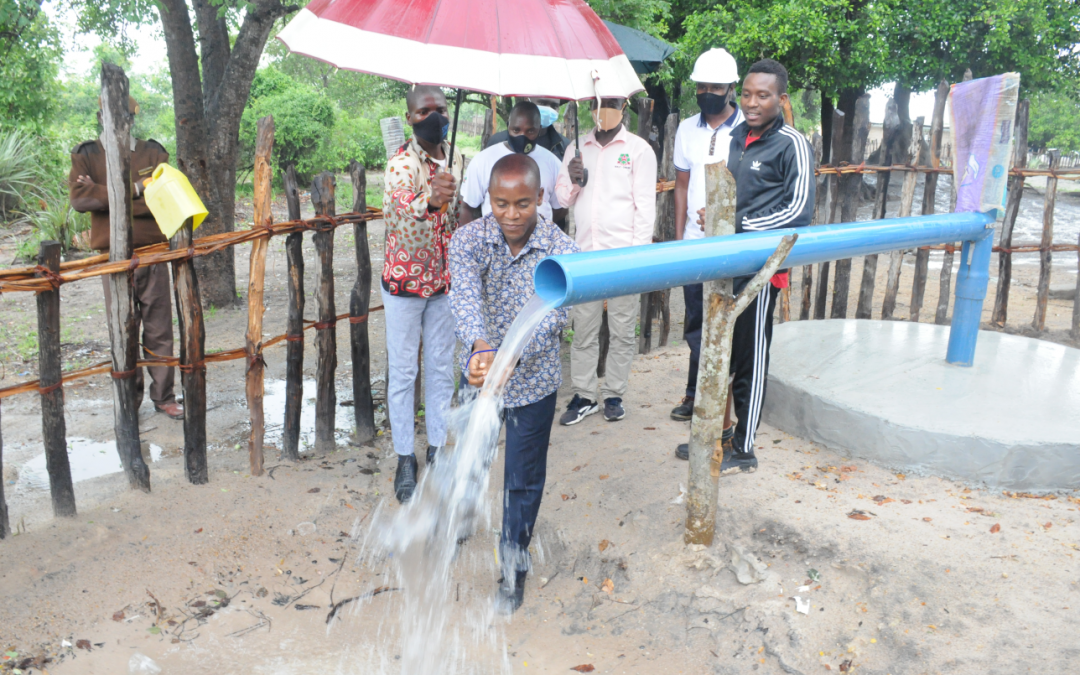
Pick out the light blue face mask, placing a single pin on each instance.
(548, 116)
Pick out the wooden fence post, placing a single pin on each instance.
(294, 349)
(1012, 209)
(5, 523)
(51, 387)
(649, 301)
(359, 304)
(665, 220)
(820, 195)
(263, 198)
(941, 315)
(322, 198)
(834, 202)
(192, 349)
(850, 186)
(486, 133)
(1046, 256)
(116, 122)
(922, 256)
(907, 199)
(890, 131)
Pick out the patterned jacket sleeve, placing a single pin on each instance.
(466, 288)
(404, 197)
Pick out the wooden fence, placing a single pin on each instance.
(46, 278)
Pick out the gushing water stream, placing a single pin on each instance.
(420, 541)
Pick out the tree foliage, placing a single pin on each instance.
(30, 54)
(1052, 122)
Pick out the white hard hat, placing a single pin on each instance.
(715, 66)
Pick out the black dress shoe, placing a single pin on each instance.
(432, 452)
(684, 412)
(510, 597)
(405, 479)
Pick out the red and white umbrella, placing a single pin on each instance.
(550, 48)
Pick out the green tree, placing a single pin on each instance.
(213, 57)
(1052, 122)
(30, 54)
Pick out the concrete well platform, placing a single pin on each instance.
(882, 391)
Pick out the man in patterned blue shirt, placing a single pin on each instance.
(491, 268)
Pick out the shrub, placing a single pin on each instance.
(20, 172)
(55, 220)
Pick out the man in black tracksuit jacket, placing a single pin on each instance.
(774, 188)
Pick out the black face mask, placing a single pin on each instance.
(432, 128)
(711, 104)
(521, 144)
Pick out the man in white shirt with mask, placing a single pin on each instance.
(701, 140)
(524, 128)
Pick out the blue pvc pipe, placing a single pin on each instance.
(597, 275)
(971, 283)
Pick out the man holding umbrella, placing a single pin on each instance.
(420, 205)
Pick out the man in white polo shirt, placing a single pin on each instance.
(523, 126)
(701, 140)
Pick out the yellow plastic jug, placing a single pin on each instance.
(172, 200)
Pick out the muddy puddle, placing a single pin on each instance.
(274, 413)
(88, 459)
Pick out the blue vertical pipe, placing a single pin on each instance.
(971, 283)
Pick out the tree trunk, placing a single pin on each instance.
(210, 90)
(902, 98)
(826, 128)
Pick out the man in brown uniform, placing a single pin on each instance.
(152, 288)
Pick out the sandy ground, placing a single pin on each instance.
(240, 575)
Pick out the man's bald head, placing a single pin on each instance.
(415, 97)
(526, 111)
(516, 168)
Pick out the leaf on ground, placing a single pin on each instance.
(198, 530)
(1047, 525)
(858, 515)
(565, 497)
(603, 476)
(995, 528)
(198, 603)
(850, 468)
(584, 668)
(83, 644)
(604, 544)
(608, 586)
(118, 616)
(313, 491)
(905, 501)
(576, 468)
(154, 630)
(650, 428)
(927, 519)
(901, 476)
(975, 509)
(845, 666)
(882, 499)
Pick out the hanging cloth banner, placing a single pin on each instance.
(172, 200)
(983, 126)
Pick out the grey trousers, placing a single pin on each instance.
(152, 289)
(585, 349)
(407, 319)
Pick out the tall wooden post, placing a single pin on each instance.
(487, 133)
(262, 177)
(922, 256)
(53, 428)
(359, 304)
(322, 198)
(116, 122)
(722, 308)
(907, 199)
(820, 196)
(294, 350)
(192, 350)
(1012, 209)
(665, 218)
(649, 301)
(941, 315)
(850, 187)
(890, 131)
(1046, 256)
(5, 522)
(834, 211)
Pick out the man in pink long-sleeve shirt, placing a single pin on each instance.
(615, 207)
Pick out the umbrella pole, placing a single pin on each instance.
(453, 133)
(577, 146)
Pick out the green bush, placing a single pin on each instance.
(54, 221)
(20, 172)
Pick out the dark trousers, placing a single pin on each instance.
(152, 291)
(750, 365)
(692, 332)
(528, 430)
